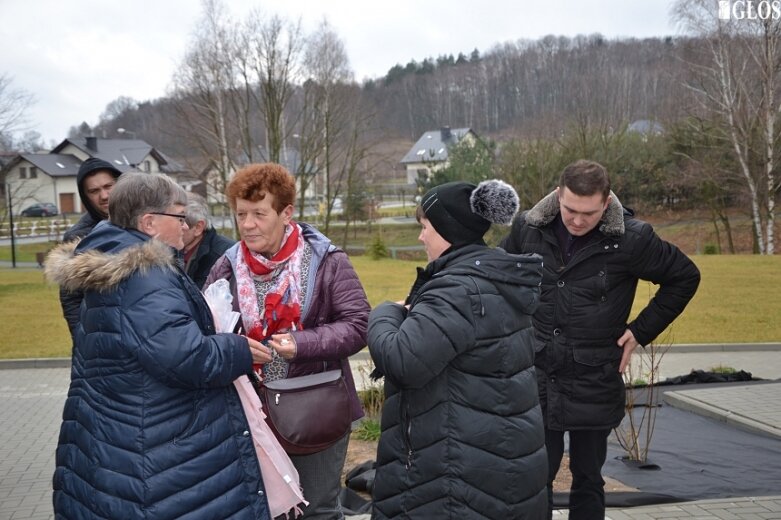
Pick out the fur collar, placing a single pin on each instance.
(612, 223)
(98, 271)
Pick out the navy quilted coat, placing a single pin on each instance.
(153, 427)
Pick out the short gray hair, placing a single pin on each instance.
(197, 210)
(137, 193)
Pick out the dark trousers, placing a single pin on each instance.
(587, 452)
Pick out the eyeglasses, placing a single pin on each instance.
(182, 218)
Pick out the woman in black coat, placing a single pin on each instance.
(462, 433)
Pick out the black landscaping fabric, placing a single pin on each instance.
(692, 457)
(701, 376)
(701, 458)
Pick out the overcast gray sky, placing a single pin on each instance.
(76, 56)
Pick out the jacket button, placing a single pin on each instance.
(260, 492)
(604, 298)
(556, 332)
(560, 283)
(245, 433)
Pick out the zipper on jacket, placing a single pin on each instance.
(406, 429)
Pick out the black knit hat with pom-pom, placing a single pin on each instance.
(462, 212)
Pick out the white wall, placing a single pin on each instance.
(25, 192)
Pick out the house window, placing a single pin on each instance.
(33, 172)
(23, 172)
(147, 166)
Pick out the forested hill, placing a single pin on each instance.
(523, 89)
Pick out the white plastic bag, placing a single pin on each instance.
(283, 488)
(218, 296)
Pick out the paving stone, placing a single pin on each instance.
(31, 402)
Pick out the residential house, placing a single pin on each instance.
(51, 177)
(430, 152)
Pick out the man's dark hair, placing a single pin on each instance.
(585, 178)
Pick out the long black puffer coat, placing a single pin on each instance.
(585, 305)
(462, 433)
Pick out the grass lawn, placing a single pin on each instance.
(25, 252)
(738, 301)
(32, 324)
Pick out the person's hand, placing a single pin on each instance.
(284, 344)
(628, 342)
(260, 352)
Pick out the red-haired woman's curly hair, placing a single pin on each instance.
(254, 181)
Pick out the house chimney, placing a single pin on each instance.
(445, 132)
(92, 143)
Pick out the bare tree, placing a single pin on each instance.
(310, 145)
(201, 89)
(14, 104)
(115, 109)
(328, 68)
(276, 51)
(736, 66)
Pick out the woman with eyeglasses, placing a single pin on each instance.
(152, 426)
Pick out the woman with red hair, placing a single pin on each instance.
(298, 294)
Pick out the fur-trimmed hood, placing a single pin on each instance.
(101, 271)
(543, 213)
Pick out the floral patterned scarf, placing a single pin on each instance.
(282, 309)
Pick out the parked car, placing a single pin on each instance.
(40, 209)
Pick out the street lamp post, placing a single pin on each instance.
(11, 224)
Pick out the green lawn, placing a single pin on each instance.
(25, 252)
(738, 301)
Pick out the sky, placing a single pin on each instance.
(76, 56)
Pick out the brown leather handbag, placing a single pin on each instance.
(308, 413)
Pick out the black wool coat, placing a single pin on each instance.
(211, 248)
(462, 433)
(585, 305)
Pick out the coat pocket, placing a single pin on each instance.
(594, 357)
(192, 419)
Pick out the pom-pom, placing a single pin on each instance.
(496, 201)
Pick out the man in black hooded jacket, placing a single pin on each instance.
(95, 180)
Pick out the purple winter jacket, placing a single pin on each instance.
(335, 313)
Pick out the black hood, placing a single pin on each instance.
(87, 168)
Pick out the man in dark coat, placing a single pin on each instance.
(95, 180)
(202, 245)
(462, 433)
(594, 253)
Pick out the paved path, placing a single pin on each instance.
(31, 401)
(755, 508)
